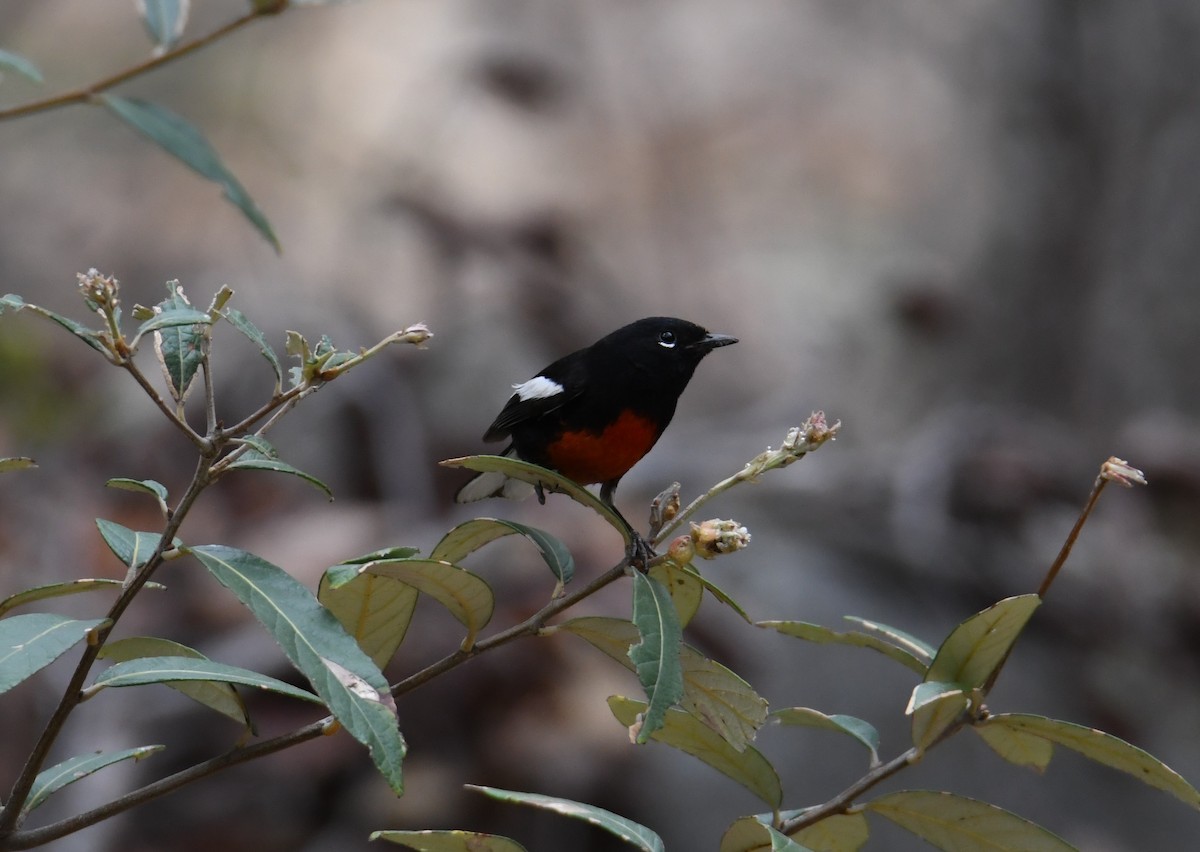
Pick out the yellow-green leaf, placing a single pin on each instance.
(860, 730)
(467, 597)
(685, 732)
(375, 610)
(448, 841)
(826, 636)
(973, 649)
(959, 824)
(934, 707)
(685, 588)
(626, 829)
(836, 833)
(1014, 745)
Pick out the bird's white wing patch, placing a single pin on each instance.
(539, 387)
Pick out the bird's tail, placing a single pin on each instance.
(494, 484)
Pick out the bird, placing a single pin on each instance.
(593, 414)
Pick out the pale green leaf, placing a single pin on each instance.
(90, 337)
(318, 646)
(164, 21)
(1014, 745)
(181, 140)
(863, 732)
(448, 841)
(548, 479)
(836, 833)
(261, 455)
(132, 548)
(629, 831)
(934, 707)
(656, 656)
(16, 463)
(467, 597)
(375, 610)
(50, 781)
(469, 537)
(252, 333)
(21, 65)
(919, 648)
(825, 636)
(958, 824)
(144, 486)
(142, 671)
(1105, 749)
(976, 647)
(749, 834)
(29, 643)
(218, 696)
(58, 590)
(686, 588)
(685, 732)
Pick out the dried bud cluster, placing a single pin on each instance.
(99, 291)
(1121, 472)
(715, 537)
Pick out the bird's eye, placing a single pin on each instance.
(667, 339)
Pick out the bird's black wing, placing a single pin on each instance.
(566, 373)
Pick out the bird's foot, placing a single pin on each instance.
(639, 552)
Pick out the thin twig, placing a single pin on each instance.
(177, 421)
(87, 93)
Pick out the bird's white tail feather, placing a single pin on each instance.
(493, 484)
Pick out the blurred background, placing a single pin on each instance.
(967, 230)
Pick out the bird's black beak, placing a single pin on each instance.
(713, 341)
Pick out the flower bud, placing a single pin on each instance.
(715, 537)
(681, 550)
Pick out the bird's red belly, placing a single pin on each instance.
(588, 457)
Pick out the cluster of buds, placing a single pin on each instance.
(99, 291)
(708, 541)
(1121, 472)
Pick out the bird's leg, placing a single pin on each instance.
(541, 495)
(638, 552)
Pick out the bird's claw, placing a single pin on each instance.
(639, 552)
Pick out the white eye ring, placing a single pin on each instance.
(667, 340)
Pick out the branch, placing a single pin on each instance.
(87, 93)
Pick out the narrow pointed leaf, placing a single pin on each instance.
(29, 643)
(263, 456)
(145, 486)
(375, 610)
(311, 638)
(448, 841)
(656, 657)
(216, 695)
(919, 648)
(146, 670)
(711, 692)
(181, 140)
(688, 734)
(50, 781)
(469, 537)
(686, 588)
(468, 598)
(826, 636)
(548, 479)
(164, 21)
(629, 831)
(1102, 748)
(959, 824)
(16, 463)
(863, 732)
(973, 649)
(748, 834)
(58, 590)
(252, 333)
(90, 337)
(384, 553)
(718, 593)
(179, 332)
(21, 65)
(132, 548)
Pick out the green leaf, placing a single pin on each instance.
(863, 732)
(239, 321)
(385, 553)
(179, 331)
(21, 65)
(263, 456)
(749, 834)
(183, 141)
(973, 649)
(711, 692)
(468, 598)
(58, 590)
(934, 707)
(959, 824)
(50, 781)
(213, 694)
(449, 841)
(1014, 745)
(656, 657)
(375, 610)
(164, 21)
(132, 548)
(688, 734)
(87, 335)
(1102, 748)
(16, 463)
(548, 479)
(29, 643)
(146, 670)
(318, 646)
(629, 831)
(469, 537)
(825, 636)
(919, 648)
(145, 486)
(836, 833)
(717, 592)
(686, 588)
